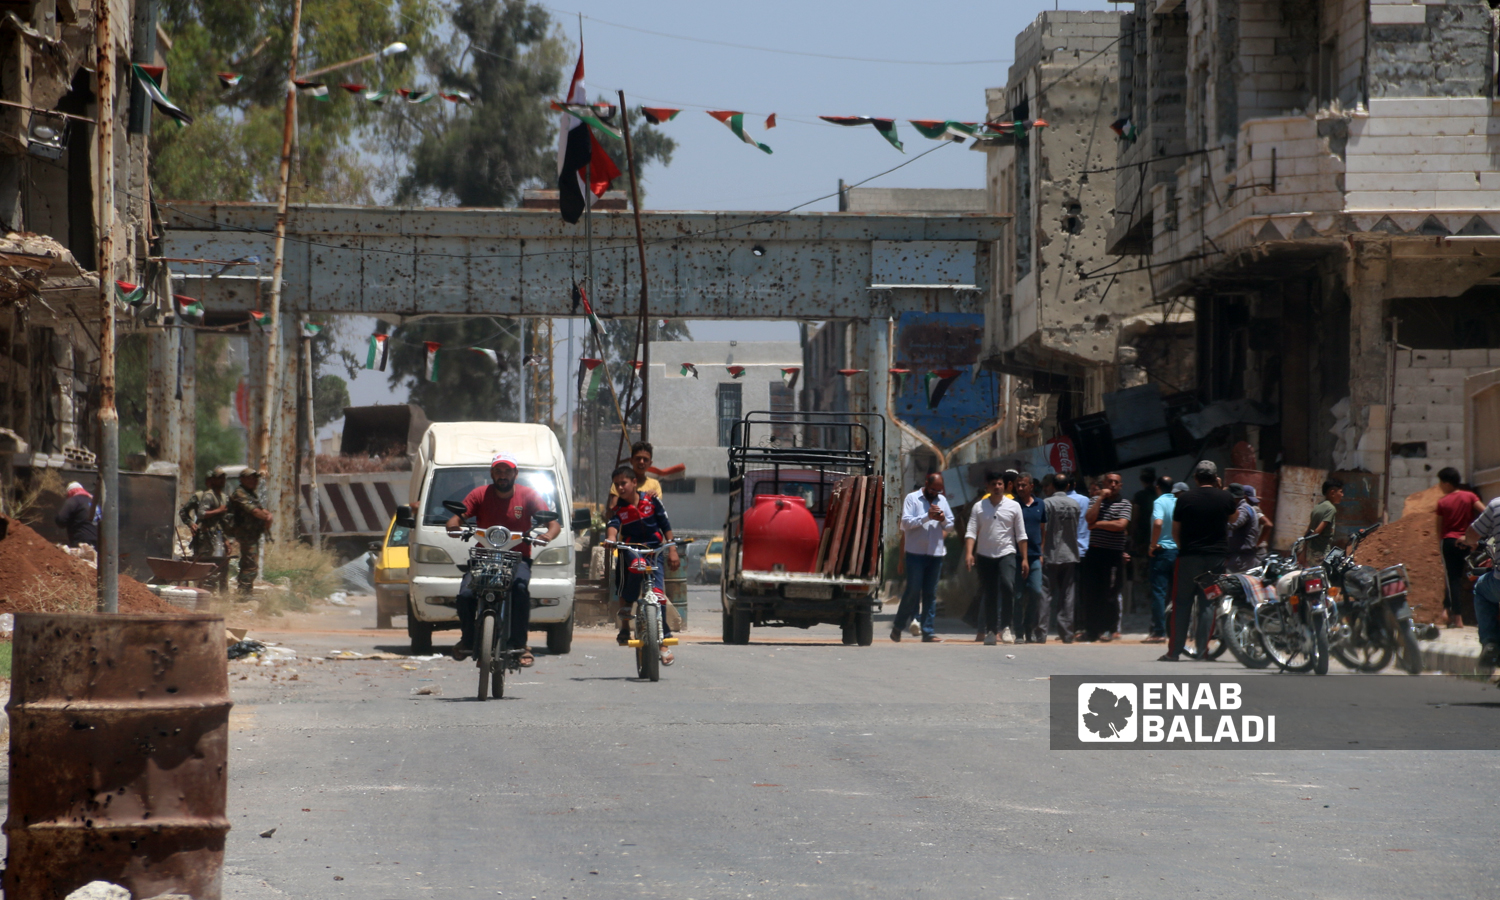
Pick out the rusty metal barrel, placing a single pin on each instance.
(119, 740)
(677, 592)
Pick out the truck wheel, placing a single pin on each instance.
(864, 627)
(560, 636)
(846, 630)
(728, 627)
(740, 626)
(420, 633)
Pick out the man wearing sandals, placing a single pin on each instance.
(502, 502)
(639, 519)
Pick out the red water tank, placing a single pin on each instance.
(780, 535)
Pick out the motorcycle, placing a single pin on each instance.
(1294, 626)
(492, 570)
(1374, 621)
(1234, 598)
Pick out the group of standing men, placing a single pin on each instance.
(215, 518)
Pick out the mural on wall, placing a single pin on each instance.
(944, 397)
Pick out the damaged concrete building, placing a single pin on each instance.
(1316, 180)
(49, 294)
(1069, 324)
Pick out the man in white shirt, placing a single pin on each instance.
(925, 518)
(993, 542)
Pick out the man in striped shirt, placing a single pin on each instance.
(1487, 590)
(1108, 519)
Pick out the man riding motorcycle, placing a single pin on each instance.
(502, 502)
(1487, 589)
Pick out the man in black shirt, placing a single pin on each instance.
(1200, 526)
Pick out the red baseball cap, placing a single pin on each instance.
(504, 459)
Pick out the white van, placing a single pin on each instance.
(453, 459)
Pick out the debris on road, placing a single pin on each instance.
(100, 890)
(352, 654)
(268, 832)
(244, 648)
(429, 690)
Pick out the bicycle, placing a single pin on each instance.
(492, 570)
(646, 621)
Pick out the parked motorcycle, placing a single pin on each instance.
(1374, 622)
(1294, 626)
(1233, 598)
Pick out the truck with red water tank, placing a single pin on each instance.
(802, 541)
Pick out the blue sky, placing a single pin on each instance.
(712, 170)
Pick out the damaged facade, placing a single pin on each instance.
(49, 294)
(1069, 322)
(1316, 181)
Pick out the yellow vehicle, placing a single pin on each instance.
(392, 578)
(713, 561)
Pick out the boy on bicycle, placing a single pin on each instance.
(639, 519)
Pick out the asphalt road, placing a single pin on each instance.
(797, 767)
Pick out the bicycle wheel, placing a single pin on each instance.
(651, 644)
(1285, 638)
(1357, 648)
(486, 653)
(1240, 636)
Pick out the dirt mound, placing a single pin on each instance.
(1413, 541)
(36, 576)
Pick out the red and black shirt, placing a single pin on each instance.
(644, 523)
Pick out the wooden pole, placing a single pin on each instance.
(109, 417)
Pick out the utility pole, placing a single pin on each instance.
(272, 379)
(109, 417)
(315, 505)
(640, 245)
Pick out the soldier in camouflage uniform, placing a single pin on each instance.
(249, 520)
(205, 514)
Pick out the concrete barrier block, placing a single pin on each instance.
(1429, 359)
(1469, 359)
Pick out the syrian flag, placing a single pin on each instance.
(886, 127)
(379, 353)
(735, 371)
(312, 329)
(789, 376)
(584, 170)
(736, 123)
(592, 371)
(937, 385)
(229, 79)
(900, 375)
(133, 294)
(689, 369)
(659, 114)
(1125, 129)
(432, 359)
(150, 77)
(188, 308)
(261, 320)
(314, 89)
(376, 97)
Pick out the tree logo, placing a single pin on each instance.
(1107, 712)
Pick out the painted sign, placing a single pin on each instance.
(931, 343)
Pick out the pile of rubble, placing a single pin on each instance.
(1413, 541)
(38, 576)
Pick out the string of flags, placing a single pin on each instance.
(431, 368)
(379, 352)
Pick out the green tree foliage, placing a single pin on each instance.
(219, 444)
(514, 61)
(468, 387)
(232, 149)
(330, 396)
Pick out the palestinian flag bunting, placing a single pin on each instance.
(589, 114)
(379, 353)
(937, 385)
(261, 319)
(457, 97)
(187, 307)
(659, 114)
(735, 371)
(591, 371)
(588, 310)
(886, 127)
(789, 376)
(1125, 129)
(850, 373)
(736, 123)
(150, 77)
(314, 89)
(415, 96)
(312, 329)
(133, 294)
(490, 355)
(900, 376)
(376, 97)
(689, 369)
(946, 129)
(229, 79)
(431, 369)
(770, 121)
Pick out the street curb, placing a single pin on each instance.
(1450, 660)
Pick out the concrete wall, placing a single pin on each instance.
(912, 200)
(684, 414)
(1430, 413)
